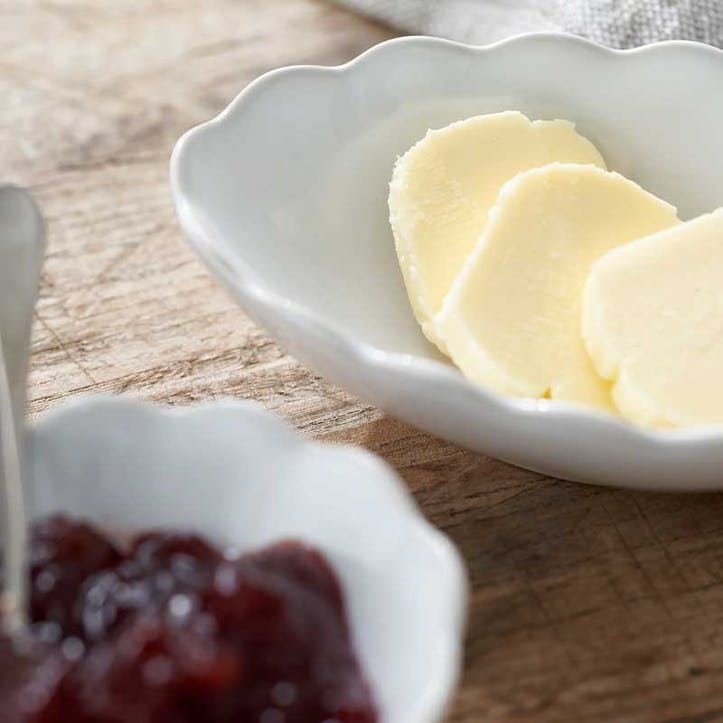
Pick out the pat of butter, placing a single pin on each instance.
(653, 324)
(443, 187)
(512, 320)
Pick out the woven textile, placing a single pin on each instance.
(619, 23)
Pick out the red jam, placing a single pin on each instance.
(172, 631)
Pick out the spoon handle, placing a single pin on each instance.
(22, 248)
(14, 543)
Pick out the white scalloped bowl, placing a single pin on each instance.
(237, 474)
(284, 197)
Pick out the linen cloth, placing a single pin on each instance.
(618, 23)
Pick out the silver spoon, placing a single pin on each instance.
(22, 247)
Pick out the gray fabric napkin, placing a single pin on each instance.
(619, 23)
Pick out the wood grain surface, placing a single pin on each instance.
(587, 604)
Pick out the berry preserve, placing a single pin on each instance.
(171, 630)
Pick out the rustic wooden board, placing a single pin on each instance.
(587, 604)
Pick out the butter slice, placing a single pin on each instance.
(512, 320)
(444, 186)
(653, 324)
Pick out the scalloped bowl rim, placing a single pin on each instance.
(245, 281)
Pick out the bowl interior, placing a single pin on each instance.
(240, 477)
(293, 183)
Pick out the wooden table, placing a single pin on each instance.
(587, 604)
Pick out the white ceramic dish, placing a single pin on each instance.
(284, 197)
(238, 475)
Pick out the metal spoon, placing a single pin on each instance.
(22, 247)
